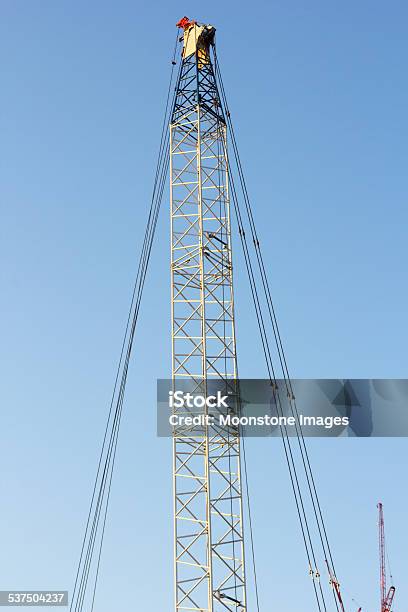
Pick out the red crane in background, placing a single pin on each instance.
(386, 597)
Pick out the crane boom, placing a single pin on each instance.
(208, 526)
(381, 543)
(386, 597)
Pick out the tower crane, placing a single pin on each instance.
(386, 597)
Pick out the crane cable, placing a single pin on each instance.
(284, 434)
(283, 363)
(302, 445)
(221, 151)
(288, 453)
(271, 310)
(103, 480)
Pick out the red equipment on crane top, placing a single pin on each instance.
(185, 23)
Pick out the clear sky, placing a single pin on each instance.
(319, 98)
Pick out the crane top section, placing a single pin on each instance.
(197, 39)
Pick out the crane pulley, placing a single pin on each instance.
(336, 587)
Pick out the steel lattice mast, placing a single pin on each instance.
(208, 525)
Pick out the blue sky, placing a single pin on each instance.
(318, 95)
